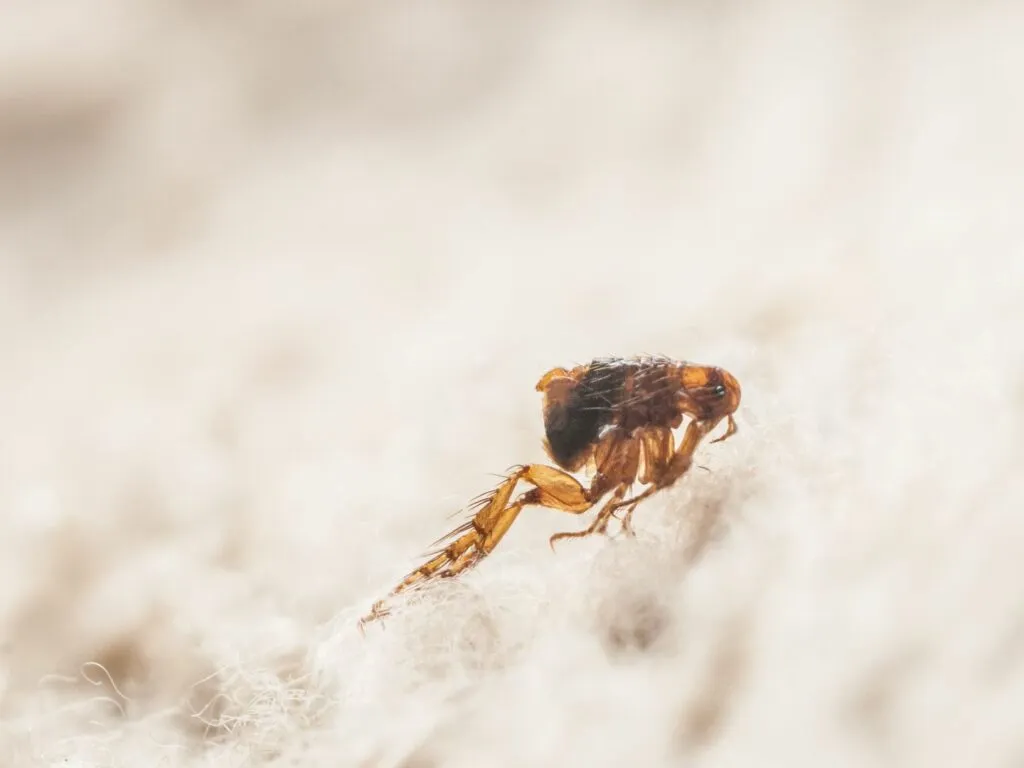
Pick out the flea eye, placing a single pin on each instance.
(719, 391)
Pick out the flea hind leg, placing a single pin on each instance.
(600, 523)
(618, 461)
(477, 537)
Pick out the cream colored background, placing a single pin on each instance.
(276, 282)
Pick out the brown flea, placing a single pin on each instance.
(614, 419)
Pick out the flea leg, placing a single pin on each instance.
(627, 524)
(675, 466)
(658, 447)
(600, 523)
(478, 536)
(618, 461)
(729, 432)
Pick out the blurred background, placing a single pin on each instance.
(277, 280)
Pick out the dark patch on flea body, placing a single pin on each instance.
(573, 425)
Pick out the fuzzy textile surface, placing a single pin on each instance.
(277, 281)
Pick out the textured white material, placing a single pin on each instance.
(276, 283)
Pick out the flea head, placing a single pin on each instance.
(709, 392)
